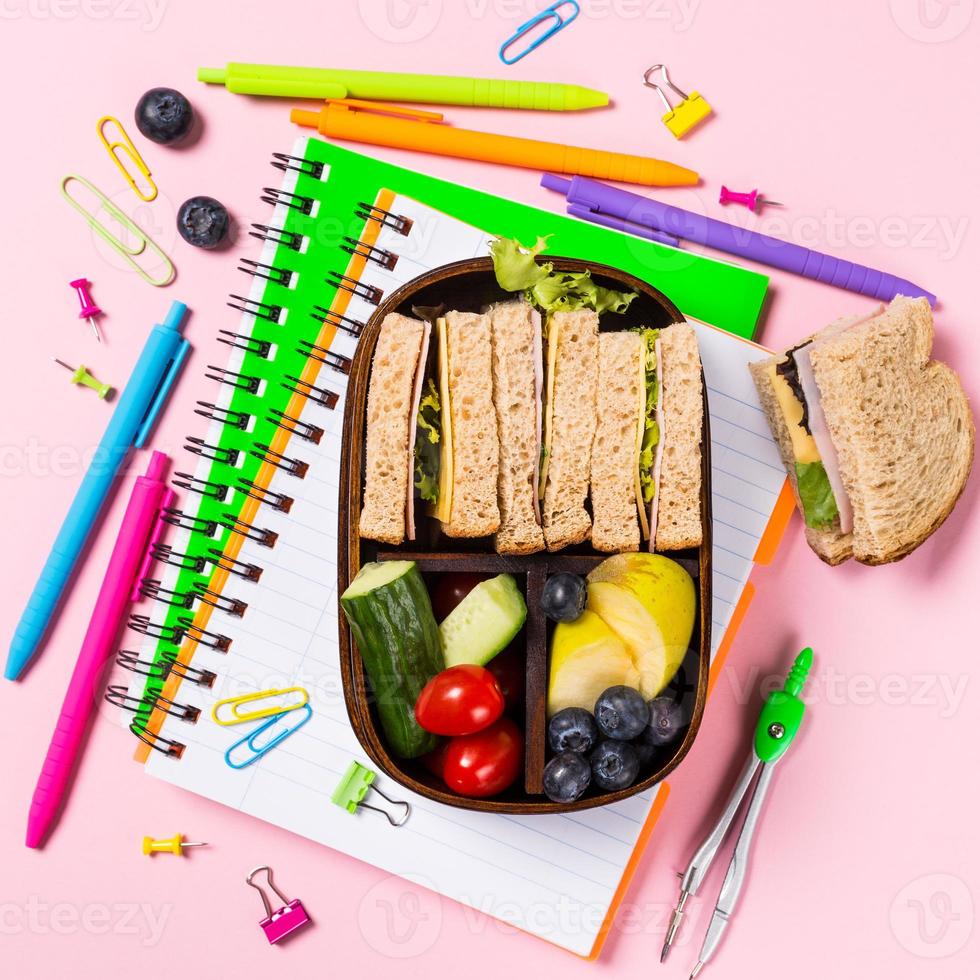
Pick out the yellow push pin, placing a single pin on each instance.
(174, 845)
(80, 376)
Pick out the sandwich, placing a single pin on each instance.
(876, 437)
(646, 456)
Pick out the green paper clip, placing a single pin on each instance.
(352, 789)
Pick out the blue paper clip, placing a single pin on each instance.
(297, 719)
(548, 14)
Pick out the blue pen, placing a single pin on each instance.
(131, 423)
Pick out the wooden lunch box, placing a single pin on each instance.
(470, 285)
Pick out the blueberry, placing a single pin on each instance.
(566, 777)
(666, 721)
(164, 115)
(572, 730)
(614, 765)
(202, 221)
(563, 597)
(621, 712)
(644, 752)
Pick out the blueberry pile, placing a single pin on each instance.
(610, 745)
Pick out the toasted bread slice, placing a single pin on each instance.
(679, 489)
(389, 407)
(516, 333)
(621, 398)
(474, 510)
(573, 421)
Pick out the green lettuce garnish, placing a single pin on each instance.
(816, 495)
(427, 435)
(517, 272)
(651, 431)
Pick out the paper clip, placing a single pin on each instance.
(688, 113)
(548, 14)
(236, 717)
(290, 916)
(128, 252)
(352, 789)
(125, 145)
(255, 745)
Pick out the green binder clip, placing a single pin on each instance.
(352, 789)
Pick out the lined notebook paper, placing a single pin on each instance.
(554, 875)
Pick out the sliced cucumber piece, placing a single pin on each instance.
(483, 623)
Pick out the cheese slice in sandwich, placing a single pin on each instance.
(469, 450)
(571, 381)
(517, 387)
(877, 438)
(394, 390)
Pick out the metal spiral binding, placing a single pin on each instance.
(261, 535)
(273, 273)
(322, 396)
(397, 222)
(251, 345)
(233, 607)
(168, 746)
(189, 522)
(158, 670)
(305, 430)
(223, 416)
(119, 696)
(217, 641)
(140, 623)
(199, 447)
(277, 501)
(299, 202)
(338, 362)
(204, 488)
(370, 253)
(152, 588)
(337, 320)
(196, 675)
(245, 570)
(263, 311)
(284, 162)
(289, 465)
(367, 292)
(179, 559)
(243, 382)
(279, 236)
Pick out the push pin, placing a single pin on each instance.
(89, 309)
(174, 845)
(352, 789)
(80, 376)
(750, 199)
(281, 922)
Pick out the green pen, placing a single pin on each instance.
(340, 83)
(775, 730)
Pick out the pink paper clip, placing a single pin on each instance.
(285, 920)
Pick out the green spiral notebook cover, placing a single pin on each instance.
(312, 241)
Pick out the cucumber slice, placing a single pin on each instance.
(483, 623)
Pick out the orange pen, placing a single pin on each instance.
(414, 129)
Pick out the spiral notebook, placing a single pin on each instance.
(247, 601)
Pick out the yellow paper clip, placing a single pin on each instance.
(236, 717)
(691, 110)
(125, 145)
(128, 252)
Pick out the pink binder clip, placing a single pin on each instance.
(285, 920)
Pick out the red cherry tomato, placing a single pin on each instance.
(436, 759)
(450, 590)
(460, 700)
(509, 669)
(486, 763)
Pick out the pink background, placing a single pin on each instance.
(861, 118)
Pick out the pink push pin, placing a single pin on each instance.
(89, 310)
(750, 199)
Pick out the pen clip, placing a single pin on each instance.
(386, 109)
(156, 535)
(160, 397)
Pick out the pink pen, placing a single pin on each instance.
(139, 525)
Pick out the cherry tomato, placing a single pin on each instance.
(509, 669)
(436, 759)
(450, 590)
(460, 700)
(486, 763)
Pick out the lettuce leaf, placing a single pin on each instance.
(427, 436)
(651, 431)
(517, 271)
(816, 495)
